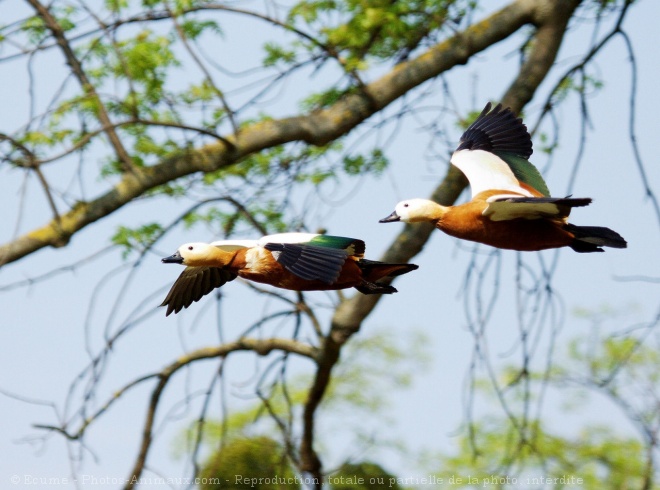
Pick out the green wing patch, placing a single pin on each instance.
(525, 172)
(353, 246)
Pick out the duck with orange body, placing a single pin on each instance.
(295, 261)
(511, 207)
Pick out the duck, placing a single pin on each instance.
(294, 261)
(510, 207)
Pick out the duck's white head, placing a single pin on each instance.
(194, 254)
(413, 210)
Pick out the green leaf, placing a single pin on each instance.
(136, 239)
(193, 28)
(275, 54)
(116, 6)
(35, 27)
(323, 99)
(375, 163)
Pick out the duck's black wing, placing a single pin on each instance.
(194, 283)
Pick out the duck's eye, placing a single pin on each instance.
(190, 247)
(405, 205)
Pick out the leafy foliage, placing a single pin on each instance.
(257, 462)
(362, 476)
(360, 386)
(517, 447)
(596, 458)
(357, 30)
(138, 238)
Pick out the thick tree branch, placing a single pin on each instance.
(317, 128)
(551, 21)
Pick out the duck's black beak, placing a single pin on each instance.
(391, 218)
(173, 259)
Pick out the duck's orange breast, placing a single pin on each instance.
(467, 222)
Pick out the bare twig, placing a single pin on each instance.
(260, 346)
(77, 69)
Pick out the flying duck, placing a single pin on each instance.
(296, 261)
(511, 207)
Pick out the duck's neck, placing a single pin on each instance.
(431, 211)
(214, 258)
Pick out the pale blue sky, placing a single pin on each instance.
(42, 339)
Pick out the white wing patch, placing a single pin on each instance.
(486, 172)
(233, 245)
(503, 210)
(286, 238)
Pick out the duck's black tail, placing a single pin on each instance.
(591, 238)
(373, 271)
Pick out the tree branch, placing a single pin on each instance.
(77, 70)
(317, 128)
(262, 347)
(351, 313)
